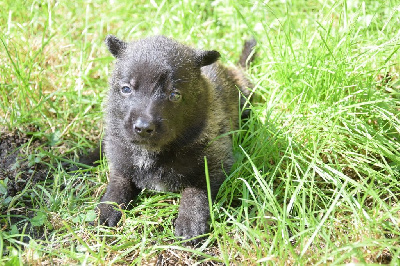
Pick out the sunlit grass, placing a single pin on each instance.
(317, 177)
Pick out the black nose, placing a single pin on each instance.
(144, 128)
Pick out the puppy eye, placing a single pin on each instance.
(126, 90)
(175, 96)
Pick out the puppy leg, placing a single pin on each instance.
(121, 191)
(193, 214)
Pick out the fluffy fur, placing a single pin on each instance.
(167, 107)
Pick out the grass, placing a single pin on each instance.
(317, 177)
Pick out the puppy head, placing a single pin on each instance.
(157, 94)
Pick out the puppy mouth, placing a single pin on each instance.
(155, 143)
(143, 141)
(146, 142)
(148, 145)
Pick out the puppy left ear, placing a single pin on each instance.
(115, 45)
(205, 58)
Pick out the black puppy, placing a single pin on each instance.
(168, 107)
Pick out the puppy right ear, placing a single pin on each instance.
(115, 45)
(205, 58)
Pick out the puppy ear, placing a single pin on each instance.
(115, 45)
(205, 58)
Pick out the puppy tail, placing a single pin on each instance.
(247, 53)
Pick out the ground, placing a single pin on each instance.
(19, 170)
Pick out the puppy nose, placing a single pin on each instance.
(144, 127)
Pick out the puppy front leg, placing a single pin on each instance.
(119, 190)
(193, 214)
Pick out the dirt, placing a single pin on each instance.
(17, 162)
(21, 167)
(178, 257)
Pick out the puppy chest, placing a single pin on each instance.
(161, 180)
(169, 173)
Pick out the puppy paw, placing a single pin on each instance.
(109, 215)
(189, 227)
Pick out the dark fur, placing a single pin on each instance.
(155, 143)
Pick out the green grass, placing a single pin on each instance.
(317, 179)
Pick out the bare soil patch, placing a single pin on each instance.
(21, 167)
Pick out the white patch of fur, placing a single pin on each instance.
(143, 158)
(159, 186)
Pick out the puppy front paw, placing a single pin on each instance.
(188, 227)
(109, 215)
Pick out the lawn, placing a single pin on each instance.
(317, 176)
